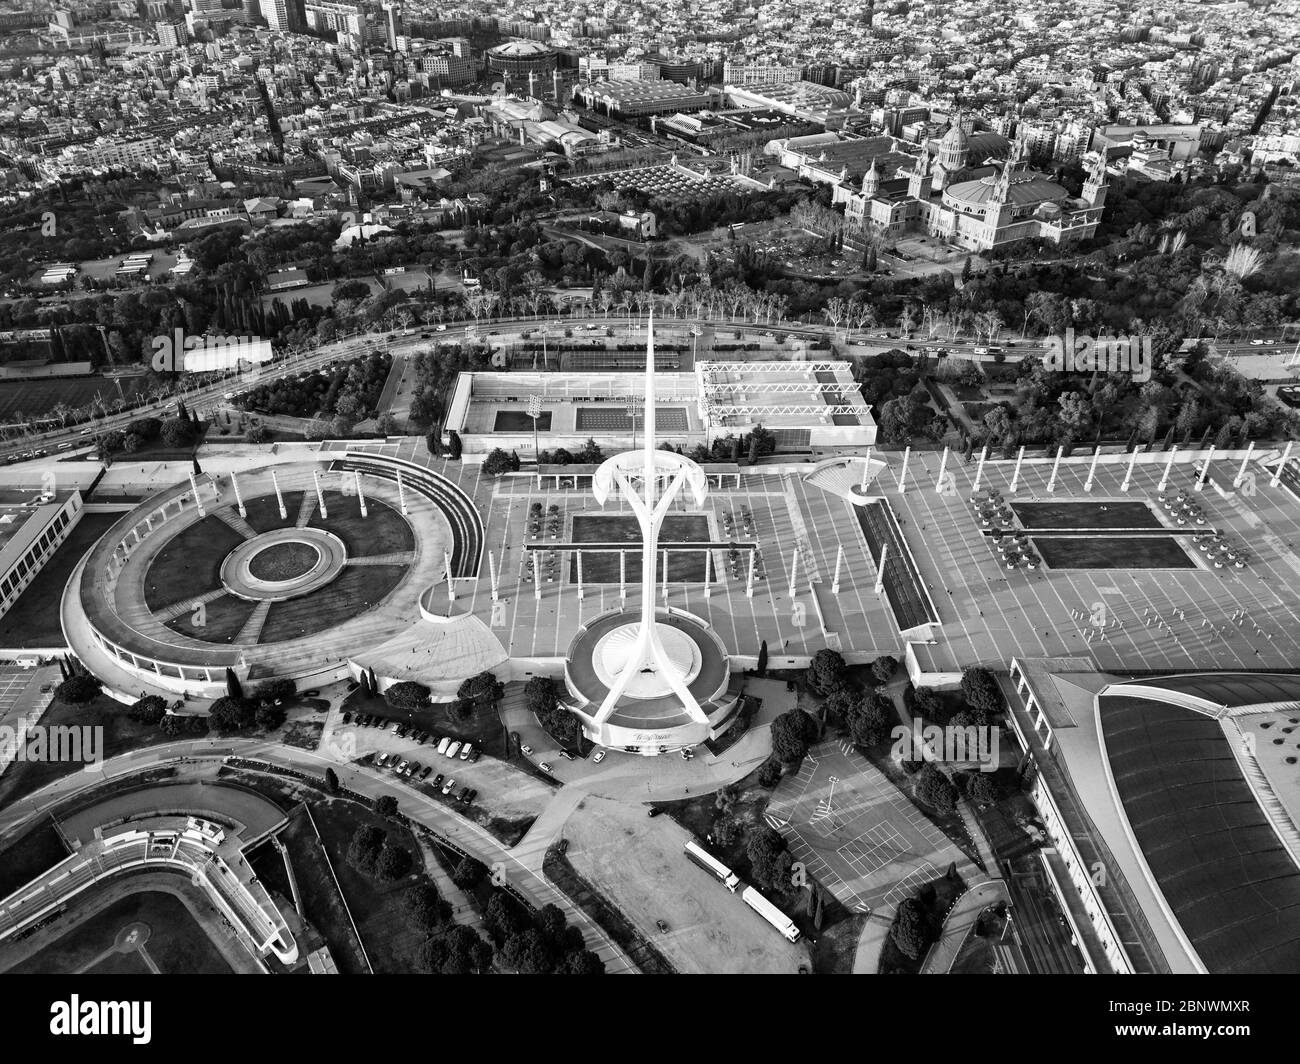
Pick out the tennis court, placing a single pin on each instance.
(601, 419)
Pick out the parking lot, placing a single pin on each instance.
(856, 834)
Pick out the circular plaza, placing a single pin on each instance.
(289, 570)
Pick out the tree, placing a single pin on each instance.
(148, 710)
(177, 432)
(331, 781)
(77, 688)
(769, 773)
(769, 857)
(980, 689)
(269, 716)
(426, 910)
(982, 788)
(791, 733)
(871, 720)
(393, 863)
(366, 846)
(233, 687)
(468, 873)
(935, 789)
(884, 667)
(280, 690)
(386, 806)
(496, 463)
(827, 671)
(230, 715)
(407, 694)
(453, 445)
(582, 962)
(484, 687)
(256, 434)
(528, 953)
(909, 930)
(761, 668)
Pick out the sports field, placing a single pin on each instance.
(145, 932)
(38, 398)
(519, 421)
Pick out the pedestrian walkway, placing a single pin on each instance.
(960, 921)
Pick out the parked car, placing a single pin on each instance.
(347, 718)
(424, 772)
(437, 780)
(663, 927)
(446, 787)
(474, 756)
(545, 766)
(402, 767)
(566, 755)
(469, 795)
(598, 758)
(654, 811)
(411, 769)
(381, 760)
(525, 749)
(466, 750)
(464, 794)
(443, 743)
(453, 750)
(422, 738)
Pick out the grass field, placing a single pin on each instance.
(354, 591)
(264, 511)
(33, 621)
(222, 619)
(385, 531)
(1085, 515)
(602, 567)
(190, 563)
(176, 943)
(1099, 552)
(283, 561)
(39, 397)
(36, 851)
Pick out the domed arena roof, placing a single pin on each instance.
(519, 49)
(1026, 187)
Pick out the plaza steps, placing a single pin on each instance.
(305, 509)
(232, 518)
(401, 557)
(187, 605)
(842, 477)
(253, 626)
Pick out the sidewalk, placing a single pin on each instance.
(941, 956)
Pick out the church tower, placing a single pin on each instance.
(954, 156)
(1094, 188)
(871, 181)
(920, 171)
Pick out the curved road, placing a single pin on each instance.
(522, 870)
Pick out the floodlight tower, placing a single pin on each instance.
(647, 668)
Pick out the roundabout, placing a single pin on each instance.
(283, 564)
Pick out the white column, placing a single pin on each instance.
(979, 468)
(579, 554)
(1250, 447)
(866, 471)
(401, 493)
(234, 482)
(1092, 467)
(1051, 482)
(943, 466)
(1128, 475)
(194, 486)
(622, 576)
(708, 564)
(451, 583)
(880, 572)
(1169, 465)
(749, 581)
(216, 491)
(665, 560)
(320, 495)
(279, 498)
(1286, 457)
(839, 562)
(902, 476)
(1015, 477)
(537, 577)
(1205, 469)
(492, 573)
(361, 495)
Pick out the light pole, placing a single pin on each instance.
(534, 412)
(633, 404)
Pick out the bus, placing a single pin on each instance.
(713, 866)
(770, 913)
